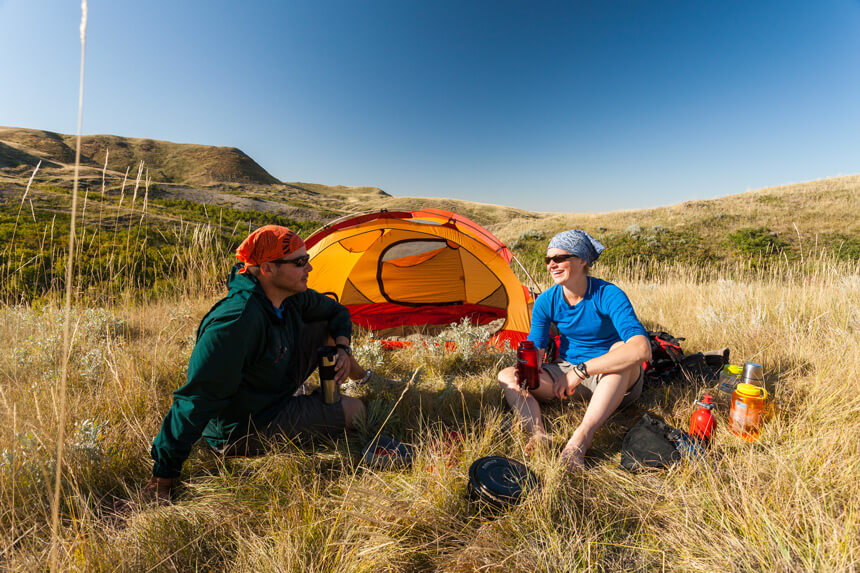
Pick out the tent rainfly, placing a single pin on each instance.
(413, 268)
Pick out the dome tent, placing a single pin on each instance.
(416, 268)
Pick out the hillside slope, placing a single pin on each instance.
(168, 162)
(787, 221)
(222, 177)
(188, 178)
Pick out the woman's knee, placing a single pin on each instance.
(508, 377)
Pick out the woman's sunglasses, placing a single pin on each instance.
(557, 259)
(298, 261)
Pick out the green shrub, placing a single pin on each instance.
(757, 241)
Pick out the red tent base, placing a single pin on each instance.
(382, 316)
(378, 316)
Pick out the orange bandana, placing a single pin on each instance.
(268, 243)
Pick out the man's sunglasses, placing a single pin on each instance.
(557, 259)
(298, 261)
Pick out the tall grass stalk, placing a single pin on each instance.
(21, 206)
(61, 417)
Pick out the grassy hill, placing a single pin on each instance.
(158, 192)
(221, 176)
(778, 220)
(165, 161)
(789, 222)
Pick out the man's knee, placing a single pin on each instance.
(353, 409)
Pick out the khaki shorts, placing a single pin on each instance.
(586, 388)
(302, 416)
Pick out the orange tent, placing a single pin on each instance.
(424, 267)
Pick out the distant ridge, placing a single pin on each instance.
(179, 163)
(800, 215)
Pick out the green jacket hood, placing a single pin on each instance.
(247, 284)
(242, 281)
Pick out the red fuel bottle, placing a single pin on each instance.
(702, 424)
(527, 365)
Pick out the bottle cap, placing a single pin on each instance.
(751, 391)
(733, 369)
(753, 373)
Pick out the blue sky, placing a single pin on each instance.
(548, 106)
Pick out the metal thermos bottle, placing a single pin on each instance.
(702, 423)
(330, 390)
(527, 365)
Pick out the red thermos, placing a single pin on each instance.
(527, 365)
(702, 424)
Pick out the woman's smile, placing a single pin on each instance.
(558, 273)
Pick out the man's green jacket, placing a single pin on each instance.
(241, 369)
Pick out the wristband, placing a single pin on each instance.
(345, 348)
(581, 370)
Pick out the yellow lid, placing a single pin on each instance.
(752, 391)
(733, 369)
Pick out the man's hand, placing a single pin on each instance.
(341, 366)
(158, 489)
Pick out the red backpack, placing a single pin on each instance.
(666, 355)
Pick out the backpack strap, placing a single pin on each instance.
(551, 352)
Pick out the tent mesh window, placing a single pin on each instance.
(421, 272)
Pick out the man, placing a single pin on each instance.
(254, 349)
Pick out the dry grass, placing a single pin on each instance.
(788, 503)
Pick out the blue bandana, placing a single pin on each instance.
(578, 243)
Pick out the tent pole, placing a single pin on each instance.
(528, 274)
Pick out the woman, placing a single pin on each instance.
(603, 346)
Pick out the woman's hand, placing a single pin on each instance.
(566, 386)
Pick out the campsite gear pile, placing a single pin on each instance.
(652, 443)
(329, 389)
(527, 365)
(669, 363)
(396, 270)
(498, 483)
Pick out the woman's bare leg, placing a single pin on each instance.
(525, 403)
(605, 399)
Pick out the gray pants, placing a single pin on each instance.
(586, 388)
